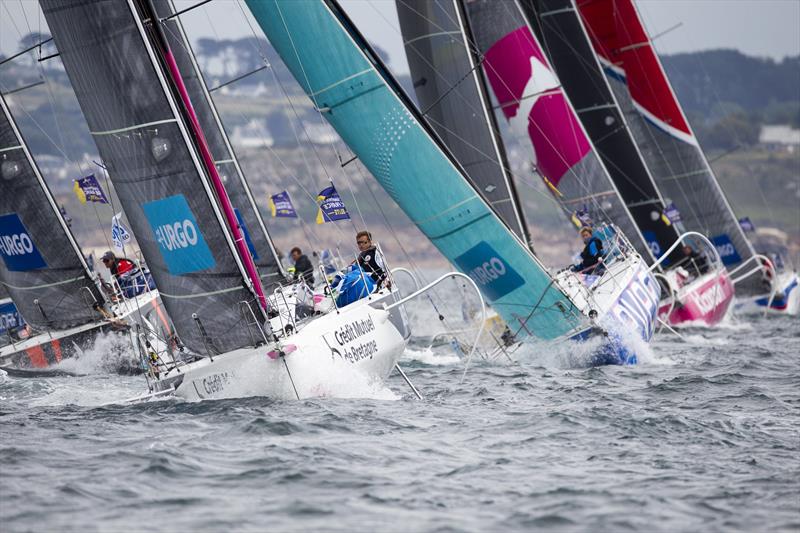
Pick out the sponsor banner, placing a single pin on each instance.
(88, 190)
(493, 275)
(120, 235)
(179, 239)
(16, 246)
(747, 225)
(281, 205)
(331, 206)
(10, 319)
(672, 213)
(727, 251)
(246, 233)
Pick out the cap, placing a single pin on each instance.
(108, 255)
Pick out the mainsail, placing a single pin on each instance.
(353, 90)
(661, 130)
(558, 27)
(453, 99)
(255, 232)
(530, 98)
(143, 140)
(42, 266)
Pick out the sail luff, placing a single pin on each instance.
(480, 86)
(226, 141)
(244, 257)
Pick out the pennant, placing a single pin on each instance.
(88, 190)
(672, 213)
(331, 206)
(581, 218)
(281, 205)
(665, 219)
(120, 235)
(747, 225)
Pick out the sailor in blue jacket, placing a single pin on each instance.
(592, 254)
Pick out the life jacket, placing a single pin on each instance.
(368, 262)
(587, 257)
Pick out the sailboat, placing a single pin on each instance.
(44, 270)
(447, 42)
(668, 144)
(696, 291)
(352, 89)
(147, 130)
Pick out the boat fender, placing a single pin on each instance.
(286, 350)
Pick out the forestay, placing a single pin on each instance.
(451, 94)
(661, 130)
(258, 240)
(353, 91)
(155, 169)
(42, 267)
(558, 28)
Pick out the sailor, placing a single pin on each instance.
(690, 255)
(131, 280)
(303, 269)
(592, 254)
(370, 258)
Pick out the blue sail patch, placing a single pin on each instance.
(493, 275)
(727, 251)
(16, 246)
(180, 241)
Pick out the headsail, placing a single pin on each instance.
(452, 96)
(354, 92)
(156, 171)
(258, 239)
(530, 98)
(42, 266)
(661, 129)
(558, 27)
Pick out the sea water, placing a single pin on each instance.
(704, 434)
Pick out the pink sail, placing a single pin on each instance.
(528, 91)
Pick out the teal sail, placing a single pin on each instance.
(354, 92)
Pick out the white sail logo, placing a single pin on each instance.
(488, 271)
(19, 244)
(178, 235)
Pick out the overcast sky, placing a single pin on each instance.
(756, 27)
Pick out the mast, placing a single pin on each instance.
(217, 122)
(480, 85)
(208, 161)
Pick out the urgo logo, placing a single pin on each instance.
(16, 246)
(727, 251)
(493, 275)
(179, 239)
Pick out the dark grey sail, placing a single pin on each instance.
(530, 98)
(453, 99)
(42, 266)
(258, 239)
(660, 128)
(559, 29)
(142, 138)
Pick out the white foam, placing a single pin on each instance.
(429, 357)
(111, 353)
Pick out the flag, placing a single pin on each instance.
(581, 217)
(88, 190)
(747, 225)
(120, 235)
(281, 205)
(672, 213)
(331, 206)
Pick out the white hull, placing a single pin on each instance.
(360, 342)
